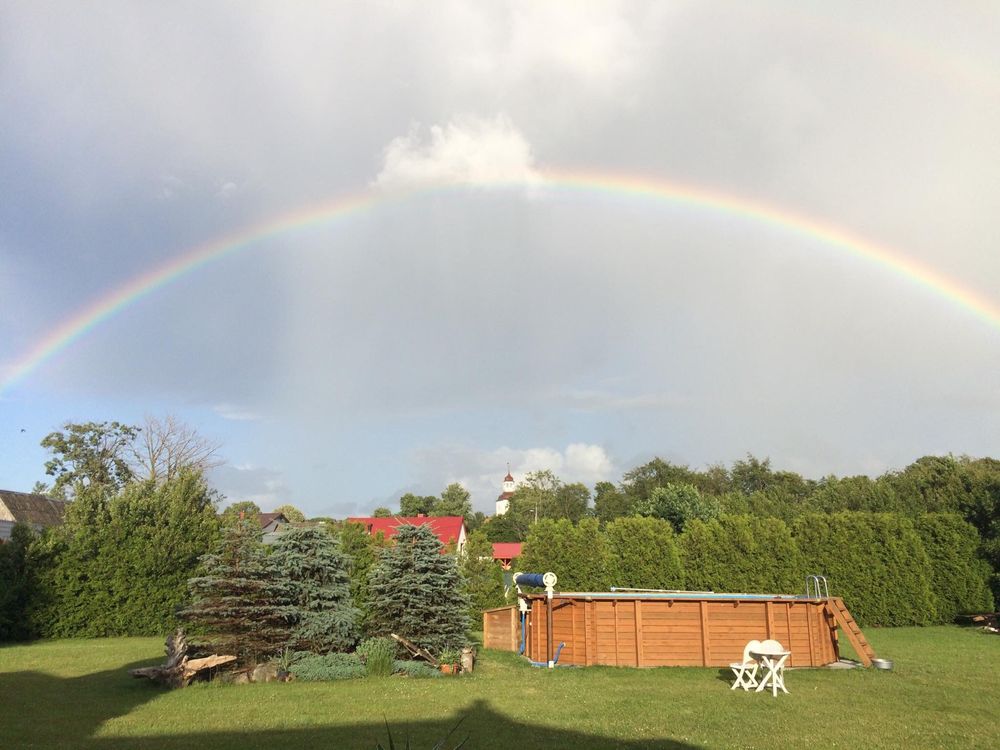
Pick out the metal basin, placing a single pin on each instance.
(885, 664)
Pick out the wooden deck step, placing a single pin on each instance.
(851, 630)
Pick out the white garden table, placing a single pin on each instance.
(773, 661)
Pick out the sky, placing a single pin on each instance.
(414, 242)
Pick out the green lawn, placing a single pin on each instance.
(944, 692)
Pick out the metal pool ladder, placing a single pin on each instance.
(817, 587)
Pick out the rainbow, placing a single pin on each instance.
(631, 186)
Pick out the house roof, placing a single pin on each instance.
(506, 550)
(37, 510)
(446, 528)
(266, 519)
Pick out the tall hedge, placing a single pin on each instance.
(875, 561)
(483, 576)
(16, 585)
(119, 564)
(960, 579)
(741, 554)
(578, 554)
(644, 553)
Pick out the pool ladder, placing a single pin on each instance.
(817, 587)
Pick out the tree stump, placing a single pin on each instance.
(178, 671)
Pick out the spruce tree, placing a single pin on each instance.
(327, 620)
(241, 604)
(417, 592)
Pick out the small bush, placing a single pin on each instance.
(326, 667)
(378, 655)
(415, 669)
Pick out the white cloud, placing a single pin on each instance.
(235, 413)
(466, 151)
(482, 471)
(259, 484)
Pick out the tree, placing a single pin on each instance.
(483, 576)
(18, 584)
(570, 501)
(242, 509)
(507, 527)
(416, 505)
(678, 504)
(610, 502)
(290, 512)
(164, 447)
(535, 497)
(362, 550)
(381, 512)
(241, 604)
(417, 592)
(455, 501)
(960, 579)
(326, 619)
(89, 454)
(640, 482)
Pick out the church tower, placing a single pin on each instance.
(503, 502)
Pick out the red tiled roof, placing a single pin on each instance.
(446, 528)
(506, 550)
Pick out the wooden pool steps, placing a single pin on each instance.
(857, 639)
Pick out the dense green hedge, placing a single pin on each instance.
(960, 579)
(120, 563)
(577, 553)
(875, 561)
(741, 554)
(644, 553)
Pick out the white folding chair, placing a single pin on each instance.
(746, 671)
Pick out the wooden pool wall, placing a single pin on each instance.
(634, 631)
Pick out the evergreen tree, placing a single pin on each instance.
(242, 604)
(311, 560)
(417, 592)
(960, 579)
(362, 550)
(483, 576)
(17, 588)
(577, 554)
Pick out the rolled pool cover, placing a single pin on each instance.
(530, 579)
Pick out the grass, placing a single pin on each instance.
(943, 693)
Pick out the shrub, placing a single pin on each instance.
(416, 591)
(415, 669)
(644, 553)
(741, 554)
(378, 655)
(960, 579)
(326, 667)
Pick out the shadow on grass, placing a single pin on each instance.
(42, 711)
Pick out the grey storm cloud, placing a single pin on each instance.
(445, 326)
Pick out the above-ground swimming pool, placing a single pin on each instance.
(657, 629)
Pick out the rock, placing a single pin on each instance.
(266, 672)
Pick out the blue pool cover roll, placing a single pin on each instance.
(530, 579)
